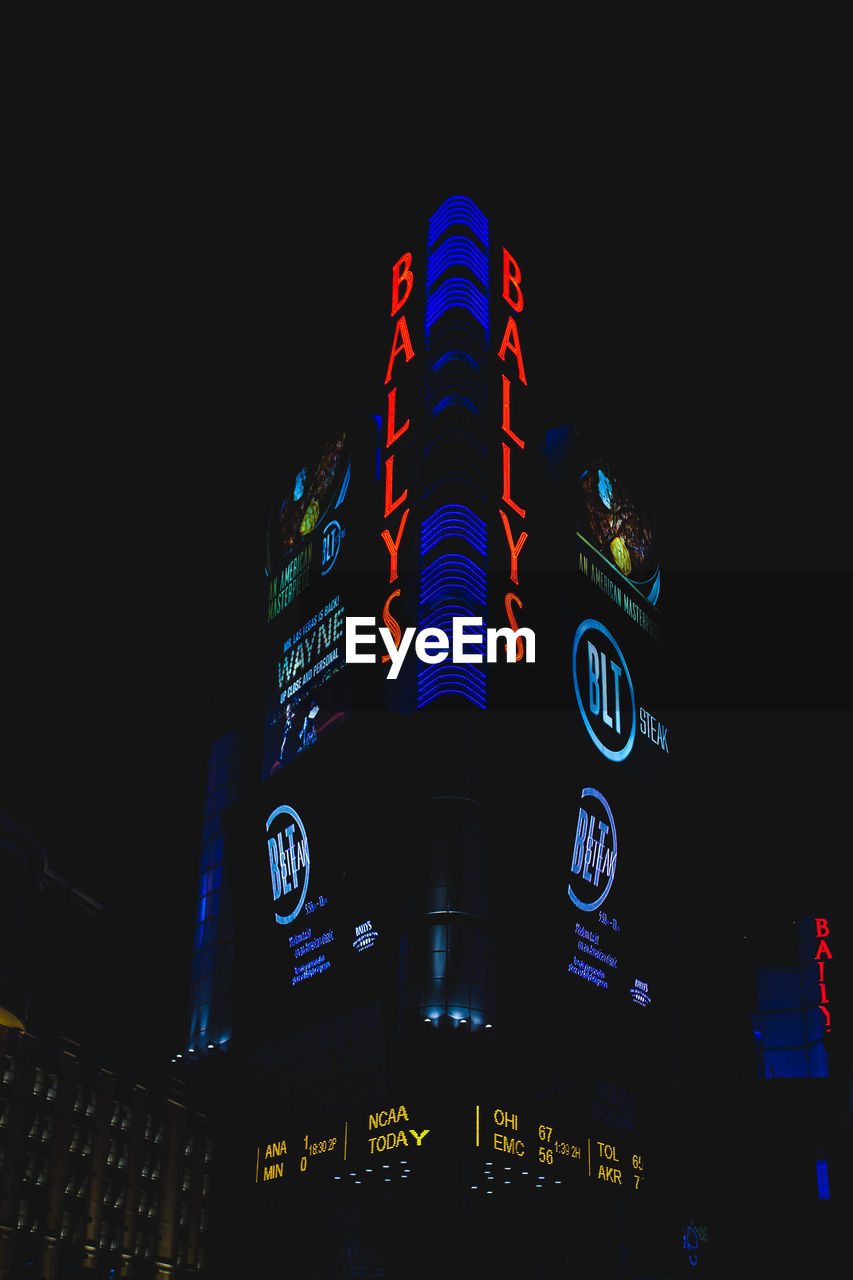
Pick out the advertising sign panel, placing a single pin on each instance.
(310, 529)
(602, 650)
(310, 892)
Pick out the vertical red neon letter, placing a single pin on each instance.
(390, 504)
(509, 600)
(514, 549)
(405, 344)
(399, 277)
(391, 622)
(510, 342)
(505, 423)
(393, 433)
(394, 545)
(512, 276)
(506, 494)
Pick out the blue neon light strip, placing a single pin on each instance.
(458, 210)
(457, 251)
(444, 678)
(458, 401)
(433, 680)
(453, 521)
(447, 356)
(443, 614)
(451, 382)
(454, 585)
(453, 573)
(457, 292)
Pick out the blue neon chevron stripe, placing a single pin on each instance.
(458, 210)
(453, 521)
(457, 251)
(457, 292)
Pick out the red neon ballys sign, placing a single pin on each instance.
(822, 954)
(512, 294)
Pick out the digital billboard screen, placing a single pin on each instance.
(311, 528)
(601, 645)
(308, 890)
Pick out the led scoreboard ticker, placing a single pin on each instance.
(500, 1144)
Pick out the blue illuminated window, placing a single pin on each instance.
(822, 1171)
(783, 1064)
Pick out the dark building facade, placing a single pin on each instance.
(104, 1169)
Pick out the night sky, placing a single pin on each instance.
(185, 324)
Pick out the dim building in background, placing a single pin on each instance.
(803, 1093)
(100, 1172)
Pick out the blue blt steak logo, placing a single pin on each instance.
(604, 690)
(290, 863)
(593, 852)
(331, 545)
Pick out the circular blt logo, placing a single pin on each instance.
(290, 863)
(604, 690)
(593, 852)
(331, 545)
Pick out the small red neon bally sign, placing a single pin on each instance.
(512, 294)
(823, 954)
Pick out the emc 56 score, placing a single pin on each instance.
(556, 1150)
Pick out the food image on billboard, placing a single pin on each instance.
(613, 523)
(314, 491)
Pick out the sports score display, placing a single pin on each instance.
(536, 1143)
